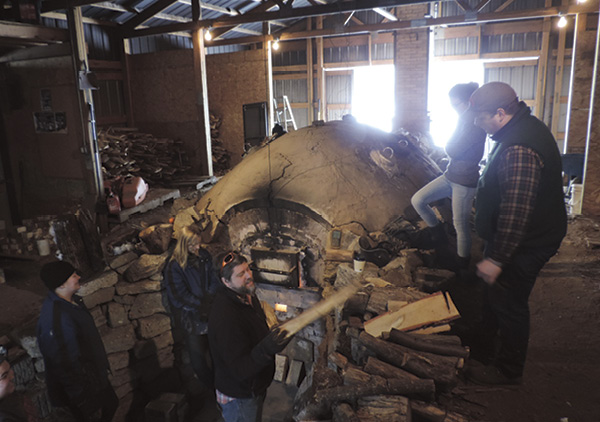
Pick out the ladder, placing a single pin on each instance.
(285, 115)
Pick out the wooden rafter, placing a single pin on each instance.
(22, 32)
(409, 24)
(481, 5)
(385, 14)
(463, 5)
(504, 5)
(301, 12)
(147, 13)
(263, 7)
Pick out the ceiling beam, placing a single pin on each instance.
(43, 52)
(32, 33)
(300, 12)
(263, 7)
(149, 12)
(420, 23)
(385, 14)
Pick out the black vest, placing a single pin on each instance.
(548, 223)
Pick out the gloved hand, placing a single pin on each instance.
(265, 351)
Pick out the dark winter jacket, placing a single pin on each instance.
(547, 225)
(74, 355)
(465, 149)
(191, 291)
(234, 329)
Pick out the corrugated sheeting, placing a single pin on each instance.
(108, 99)
(338, 89)
(451, 8)
(102, 42)
(289, 58)
(382, 51)
(455, 46)
(337, 54)
(511, 42)
(295, 89)
(154, 43)
(523, 79)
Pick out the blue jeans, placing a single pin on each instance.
(462, 204)
(244, 410)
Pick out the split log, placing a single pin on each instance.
(375, 366)
(357, 304)
(449, 340)
(441, 369)
(157, 237)
(432, 413)
(384, 408)
(342, 412)
(412, 341)
(380, 296)
(354, 376)
(342, 255)
(419, 388)
(434, 309)
(338, 360)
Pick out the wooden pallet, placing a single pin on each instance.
(154, 198)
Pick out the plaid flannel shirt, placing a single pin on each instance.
(519, 172)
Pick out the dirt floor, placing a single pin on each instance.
(562, 377)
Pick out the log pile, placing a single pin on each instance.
(220, 156)
(395, 373)
(125, 151)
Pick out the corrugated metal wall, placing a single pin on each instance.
(338, 92)
(451, 8)
(297, 92)
(455, 46)
(522, 78)
(109, 99)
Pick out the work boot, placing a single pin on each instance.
(438, 234)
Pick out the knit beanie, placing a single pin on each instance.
(54, 274)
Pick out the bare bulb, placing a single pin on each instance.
(562, 22)
(276, 45)
(207, 35)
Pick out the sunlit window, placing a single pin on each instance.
(373, 96)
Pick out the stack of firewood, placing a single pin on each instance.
(389, 366)
(220, 156)
(125, 151)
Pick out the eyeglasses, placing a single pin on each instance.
(227, 259)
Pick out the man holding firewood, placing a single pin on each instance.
(243, 347)
(521, 216)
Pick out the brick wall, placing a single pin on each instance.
(412, 67)
(235, 79)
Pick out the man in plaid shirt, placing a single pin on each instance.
(521, 216)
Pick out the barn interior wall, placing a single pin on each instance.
(235, 79)
(47, 166)
(412, 67)
(163, 97)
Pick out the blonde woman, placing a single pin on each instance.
(191, 284)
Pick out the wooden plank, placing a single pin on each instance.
(558, 77)
(155, 198)
(436, 308)
(542, 71)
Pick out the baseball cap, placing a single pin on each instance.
(492, 96)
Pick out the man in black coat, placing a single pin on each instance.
(74, 355)
(242, 346)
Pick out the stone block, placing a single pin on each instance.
(118, 339)
(103, 281)
(117, 315)
(160, 411)
(98, 315)
(281, 367)
(144, 286)
(99, 297)
(122, 390)
(145, 305)
(145, 348)
(296, 373)
(154, 325)
(300, 349)
(122, 376)
(145, 266)
(30, 344)
(125, 300)
(118, 360)
(123, 259)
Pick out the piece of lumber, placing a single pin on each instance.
(341, 255)
(380, 296)
(434, 329)
(383, 369)
(342, 412)
(432, 413)
(413, 341)
(320, 309)
(296, 373)
(441, 369)
(437, 308)
(384, 408)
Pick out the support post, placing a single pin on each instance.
(321, 74)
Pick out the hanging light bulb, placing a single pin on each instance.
(208, 35)
(276, 44)
(562, 22)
